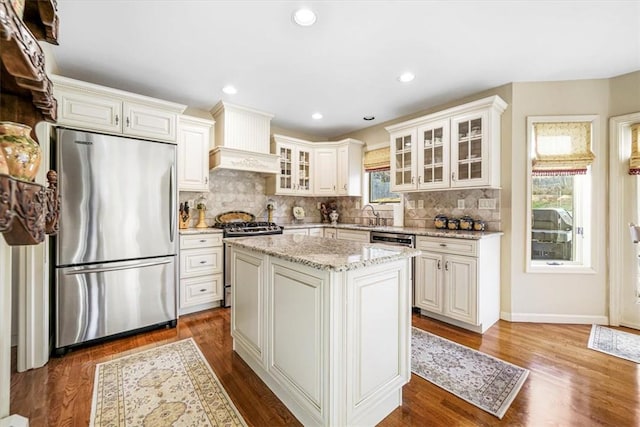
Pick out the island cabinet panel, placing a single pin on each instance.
(296, 333)
(248, 313)
(379, 318)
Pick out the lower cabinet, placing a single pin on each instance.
(330, 233)
(201, 267)
(354, 235)
(310, 231)
(458, 281)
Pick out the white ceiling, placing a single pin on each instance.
(346, 65)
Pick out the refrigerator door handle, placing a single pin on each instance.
(172, 208)
(119, 267)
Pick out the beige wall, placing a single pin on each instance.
(556, 296)
(625, 94)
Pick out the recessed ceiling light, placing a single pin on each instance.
(406, 77)
(316, 116)
(304, 17)
(230, 90)
(369, 118)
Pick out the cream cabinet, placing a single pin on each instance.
(349, 167)
(295, 173)
(455, 148)
(458, 280)
(326, 174)
(201, 268)
(309, 231)
(87, 106)
(330, 233)
(354, 235)
(194, 140)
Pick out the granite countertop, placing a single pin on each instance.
(199, 230)
(323, 254)
(429, 232)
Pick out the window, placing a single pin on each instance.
(380, 187)
(559, 219)
(377, 165)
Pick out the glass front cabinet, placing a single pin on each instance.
(455, 148)
(295, 169)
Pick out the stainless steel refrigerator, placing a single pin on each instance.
(115, 255)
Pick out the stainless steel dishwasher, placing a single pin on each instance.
(398, 239)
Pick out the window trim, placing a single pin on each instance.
(586, 265)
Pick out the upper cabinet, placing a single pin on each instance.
(194, 141)
(295, 167)
(455, 148)
(87, 106)
(317, 168)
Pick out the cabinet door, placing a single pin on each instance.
(318, 232)
(355, 235)
(303, 231)
(285, 180)
(198, 262)
(304, 158)
(325, 167)
(89, 112)
(403, 160)
(461, 288)
(428, 282)
(330, 233)
(469, 150)
(342, 172)
(433, 155)
(148, 122)
(193, 157)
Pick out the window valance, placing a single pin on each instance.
(377, 160)
(634, 159)
(562, 148)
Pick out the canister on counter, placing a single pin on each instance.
(478, 225)
(466, 223)
(440, 221)
(453, 224)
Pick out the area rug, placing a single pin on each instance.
(490, 384)
(614, 342)
(170, 385)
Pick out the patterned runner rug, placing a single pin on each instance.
(170, 385)
(614, 342)
(482, 380)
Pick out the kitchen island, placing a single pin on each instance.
(325, 324)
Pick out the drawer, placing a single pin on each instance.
(355, 235)
(196, 262)
(304, 231)
(448, 245)
(330, 233)
(316, 232)
(191, 241)
(200, 290)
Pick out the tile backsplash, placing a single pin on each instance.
(231, 190)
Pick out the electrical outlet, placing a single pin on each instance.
(460, 203)
(318, 205)
(412, 204)
(420, 204)
(486, 203)
(357, 204)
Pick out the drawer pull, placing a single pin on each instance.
(203, 262)
(446, 266)
(203, 290)
(203, 241)
(439, 265)
(443, 245)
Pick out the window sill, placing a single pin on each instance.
(544, 268)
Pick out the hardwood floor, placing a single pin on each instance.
(569, 385)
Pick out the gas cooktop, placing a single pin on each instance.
(252, 228)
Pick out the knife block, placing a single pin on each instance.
(183, 221)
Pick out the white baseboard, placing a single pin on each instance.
(632, 325)
(554, 318)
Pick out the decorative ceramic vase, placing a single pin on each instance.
(201, 223)
(22, 154)
(333, 216)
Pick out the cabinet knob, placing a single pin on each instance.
(203, 262)
(439, 265)
(443, 245)
(206, 179)
(345, 187)
(413, 178)
(203, 290)
(117, 119)
(202, 241)
(127, 121)
(453, 176)
(446, 266)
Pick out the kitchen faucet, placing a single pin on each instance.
(375, 214)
